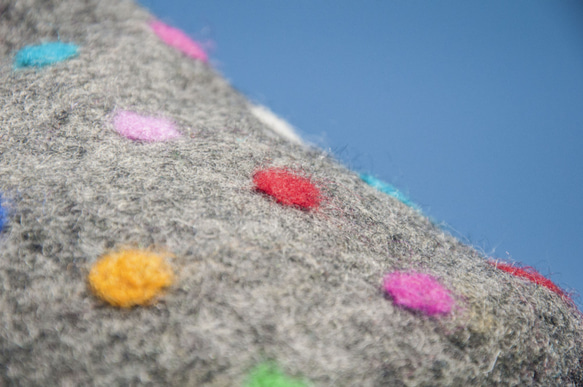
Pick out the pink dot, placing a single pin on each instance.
(419, 292)
(179, 40)
(145, 128)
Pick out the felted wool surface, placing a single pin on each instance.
(255, 280)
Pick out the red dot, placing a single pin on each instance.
(530, 274)
(288, 187)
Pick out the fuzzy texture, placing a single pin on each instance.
(288, 187)
(529, 274)
(130, 277)
(268, 375)
(44, 54)
(144, 128)
(254, 280)
(179, 40)
(419, 292)
(388, 189)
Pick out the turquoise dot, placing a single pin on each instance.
(45, 54)
(389, 190)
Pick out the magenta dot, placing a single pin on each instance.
(179, 40)
(144, 128)
(419, 292)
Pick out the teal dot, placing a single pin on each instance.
(389, 190)
(45, 54)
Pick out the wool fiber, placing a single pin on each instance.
(254, 280)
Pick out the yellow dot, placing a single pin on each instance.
(130, 277)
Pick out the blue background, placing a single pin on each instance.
(472, 108)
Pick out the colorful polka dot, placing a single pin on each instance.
(275, 123)
(417, 291)
(388, 189)
(288, 188)
(144, 128)
(179, 40)
(529, 274)
(45, 54)
(3, 214)
(130, 277)
(268, 375)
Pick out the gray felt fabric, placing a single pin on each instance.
(255, 280)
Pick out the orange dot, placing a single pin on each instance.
(130, 277)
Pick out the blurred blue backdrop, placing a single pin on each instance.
(472, 108)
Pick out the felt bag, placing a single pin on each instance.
(160, 229)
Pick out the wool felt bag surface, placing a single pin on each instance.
(159, 229)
